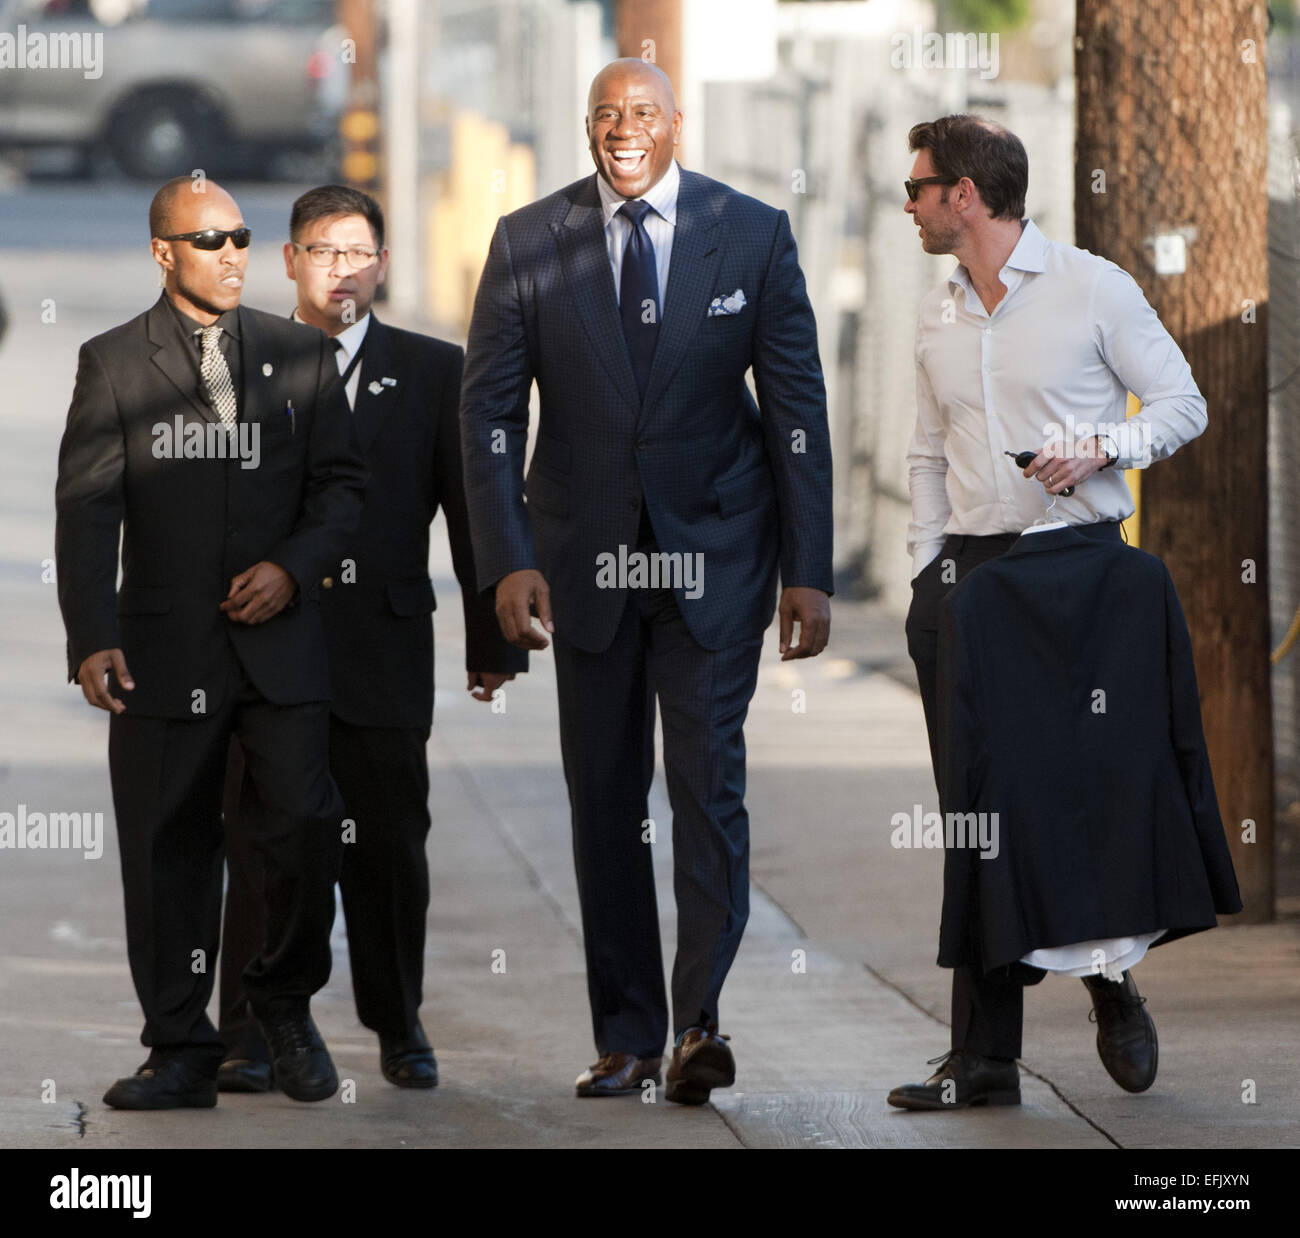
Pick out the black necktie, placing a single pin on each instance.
(638, 294)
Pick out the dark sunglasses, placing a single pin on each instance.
(913, 187)
(213, 238)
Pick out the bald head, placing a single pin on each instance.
(633, 125)
(200, 281)
(180, 201)
(650, 76)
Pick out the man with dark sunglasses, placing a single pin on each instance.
(216, 630)
(1028, 348)
(212, 239)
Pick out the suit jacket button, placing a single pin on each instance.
(328, 582)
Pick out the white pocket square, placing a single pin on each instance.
(732, 304)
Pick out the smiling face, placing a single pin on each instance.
(940, 226)
(633, 126)
(204, 283)
(334, 297)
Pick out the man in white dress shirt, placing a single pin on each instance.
(1030, 345)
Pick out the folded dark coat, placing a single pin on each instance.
(1068, 706)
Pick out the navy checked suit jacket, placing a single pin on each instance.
(745, 486)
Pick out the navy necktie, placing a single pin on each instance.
(638, 294)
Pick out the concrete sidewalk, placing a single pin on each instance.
(834, 998)
(820, 1036)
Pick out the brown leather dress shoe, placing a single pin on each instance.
(618, 1073)
(702, 1061)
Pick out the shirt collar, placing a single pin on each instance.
(228, 322)
(350, 338)
(662, 196)
(1030, 254)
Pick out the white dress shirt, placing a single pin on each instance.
(1111, 957)
(349, 340)
(1072, 335)
(659, 223)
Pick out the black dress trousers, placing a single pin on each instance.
(382, 774)
(987, 1007)
(167, 793)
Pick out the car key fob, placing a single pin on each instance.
(1024, 459)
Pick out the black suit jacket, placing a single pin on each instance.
(189, 525)
(378, 605)
(746, 486)
(1108, 824)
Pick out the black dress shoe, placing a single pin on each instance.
(243, 1074)
(702, 1061)
(618, 1073)
(168, 1085)
(299, 1059)
(407, 1061)
(963, 1079)
(1126, 1035)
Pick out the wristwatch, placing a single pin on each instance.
(1111, 450)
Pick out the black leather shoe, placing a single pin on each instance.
(299, 1059)
(963, 1079)
(1126, 1035)
(168, 1085)
(407, 1061)
(702, 1061)
(242, 1074)
(617, 1073)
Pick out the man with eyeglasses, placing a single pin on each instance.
(404, 391)
(1024, 350)
(216, 631)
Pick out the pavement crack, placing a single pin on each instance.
(1065, 1100)
(730, 1125)
(771, 898)
(904, 994)
(1073, 1108)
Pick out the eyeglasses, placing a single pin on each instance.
(913, 187)
(355, 256)
(213, 238)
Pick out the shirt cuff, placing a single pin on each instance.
(924, 555)
(1132, 441)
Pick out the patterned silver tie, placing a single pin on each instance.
(215, 373)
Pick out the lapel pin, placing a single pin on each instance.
(268, 369)
(375, 388)
(389, 382)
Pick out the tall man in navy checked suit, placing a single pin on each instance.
(638, 298)
(404, 391)
(216, 630)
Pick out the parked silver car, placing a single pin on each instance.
(171, 85)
